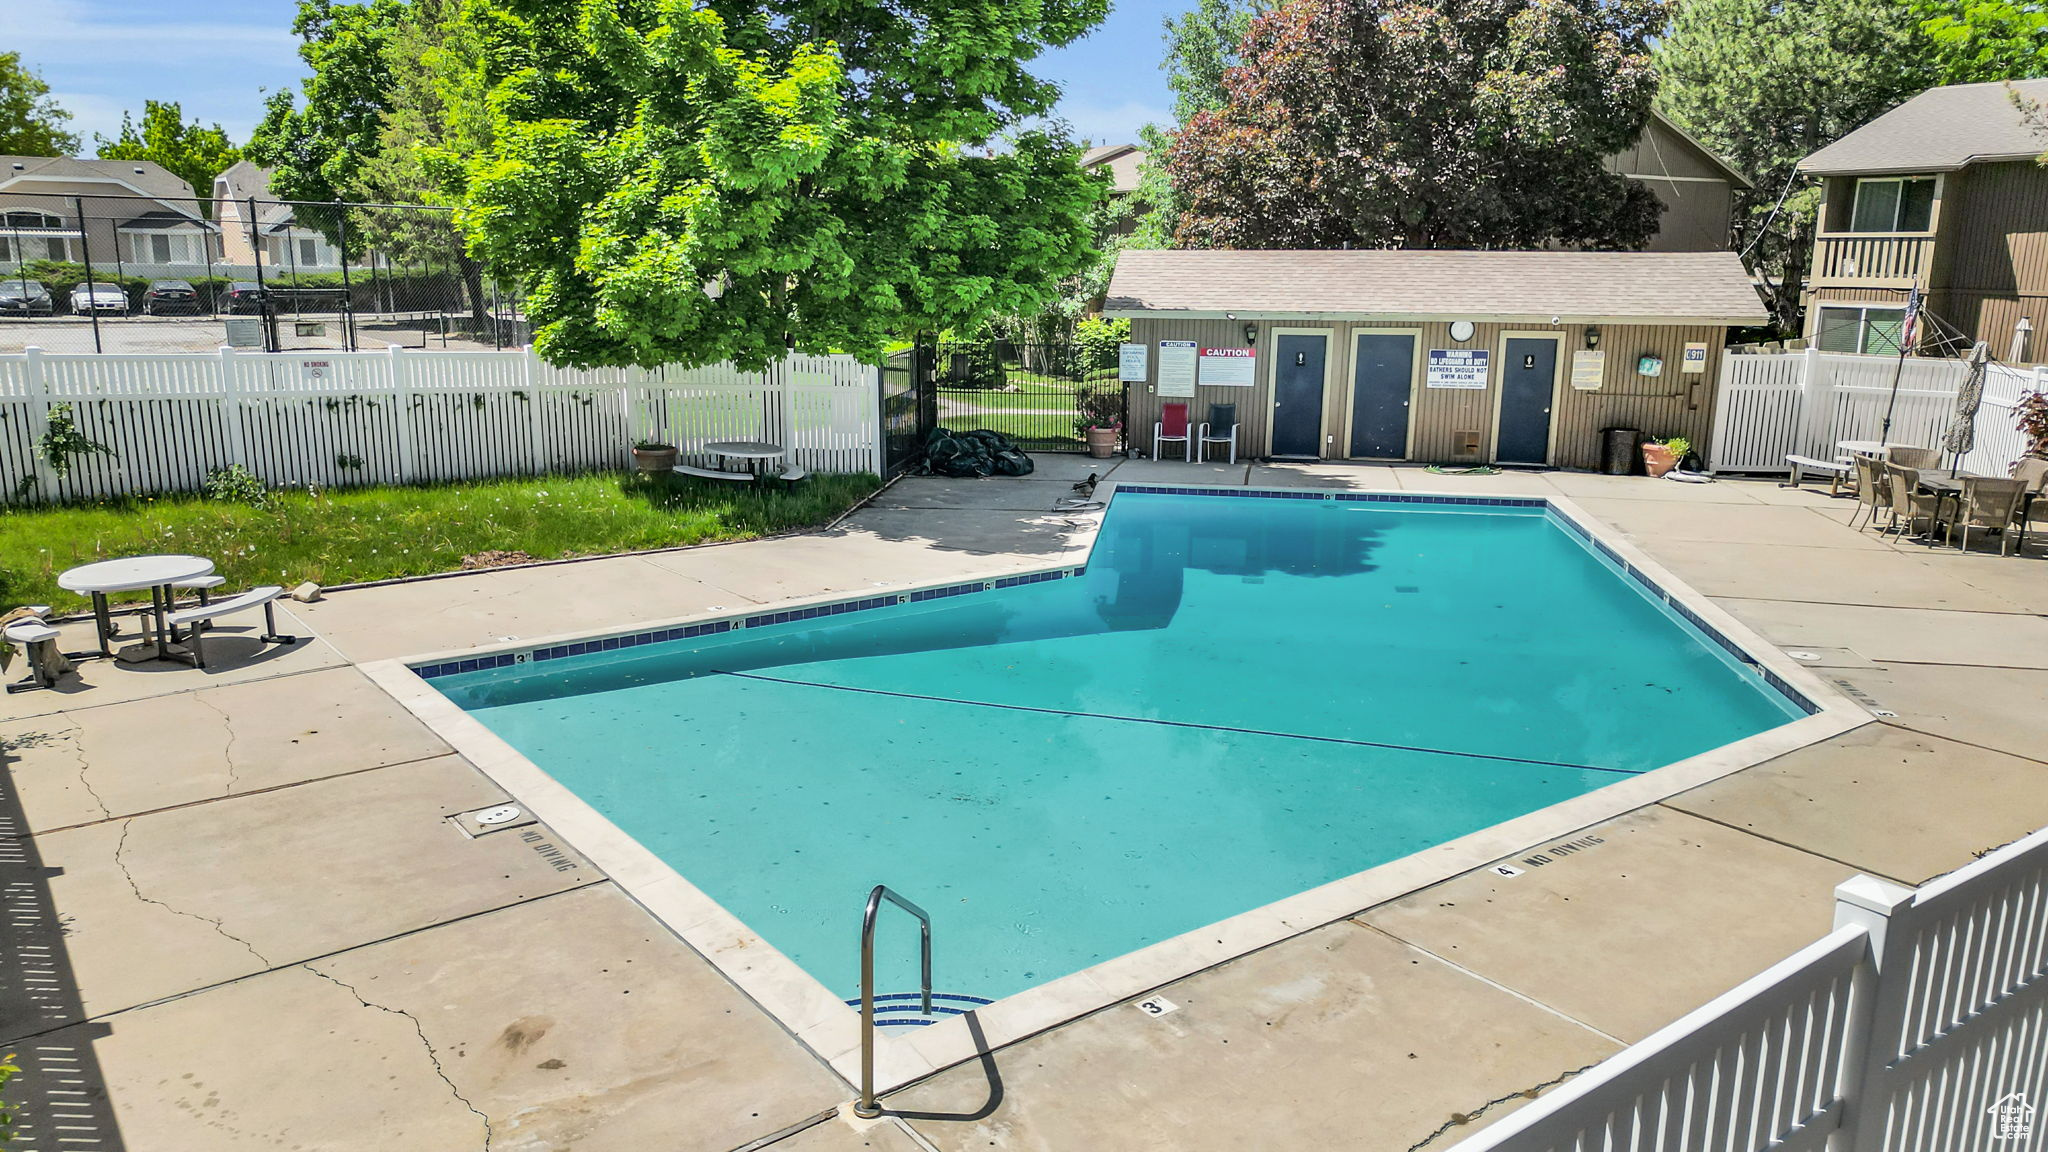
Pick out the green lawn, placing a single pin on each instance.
(343, 537)
(1029, 394)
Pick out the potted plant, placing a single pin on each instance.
(1661, 456)
(1101, 420)
(653, 457)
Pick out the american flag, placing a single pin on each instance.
(1912, 319)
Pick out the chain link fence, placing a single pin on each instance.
(131, 274)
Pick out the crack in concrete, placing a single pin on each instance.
(427, 1045)
(85, 781)
(1461, 1118)
(121, 846)
(227, 752)
(71, 736)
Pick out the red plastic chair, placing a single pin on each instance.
(1172, 425)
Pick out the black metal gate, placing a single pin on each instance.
(1033, 393)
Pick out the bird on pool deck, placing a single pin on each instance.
(1087, 487)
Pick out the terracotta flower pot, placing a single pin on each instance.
(1102, 442)
(655, 458)
(1658, 459)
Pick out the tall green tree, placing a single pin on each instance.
(394, 102)
(31, 124)
(685, 183)
(1425, 124)
(189, 149)
(1766, 83)
(1979, 40)
(1201, 45)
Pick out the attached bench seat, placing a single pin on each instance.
(1836, 470)
(713, 473)
(30, 634)
(197, 620)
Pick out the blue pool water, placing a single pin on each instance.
(1239, 700)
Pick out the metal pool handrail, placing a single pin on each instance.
(867, 1107)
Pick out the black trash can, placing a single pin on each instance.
(1621, 451)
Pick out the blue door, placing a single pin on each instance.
(1298, 395)
(1528, 380)
(1381, 374)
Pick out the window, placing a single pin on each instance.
(21, 239)
(1873, 330)
(163, 248)
(309, 251)
(41, 220)
(1893, 205)
(21, 246)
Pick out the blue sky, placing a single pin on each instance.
(101, 57)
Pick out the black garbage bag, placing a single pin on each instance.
(980, 452)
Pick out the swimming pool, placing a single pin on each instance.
(1236, 700)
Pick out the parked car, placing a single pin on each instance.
(245, 296)
(25, 298)
(99, 298)
(164, 297)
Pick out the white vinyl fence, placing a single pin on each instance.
(343, 419)
(1920, 1024)
(1807, 402)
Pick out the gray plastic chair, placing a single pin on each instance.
(1219, 428)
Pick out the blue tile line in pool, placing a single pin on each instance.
(813, 612)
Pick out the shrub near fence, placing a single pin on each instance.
(337, 419)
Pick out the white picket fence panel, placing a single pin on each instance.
(341, 419)
(1771, 406)
(1920, 1024)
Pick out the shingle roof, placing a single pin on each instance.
(244, 179)
(1529, 287)
(1940, 130)
(147, 176)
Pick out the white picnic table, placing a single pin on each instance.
(159, 574)
(754, 452)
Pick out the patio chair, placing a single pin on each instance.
(1873, 491)
(2033, 506)
(1172, 425)
(1988, 503)
(198, 620)
(1219, 428)
(1907, 456)
(1908, 502)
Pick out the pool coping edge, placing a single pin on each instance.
(818, 1019)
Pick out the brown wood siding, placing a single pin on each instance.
(1660, 151)
(1695, 217)
(1442, 419)
(1999, 244)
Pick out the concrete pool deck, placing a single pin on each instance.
(248, 922)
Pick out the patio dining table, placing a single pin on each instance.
(1944, 483)
(159, 574)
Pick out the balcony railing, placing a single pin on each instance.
(1873, 256)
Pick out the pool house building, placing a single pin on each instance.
(1438, 356)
